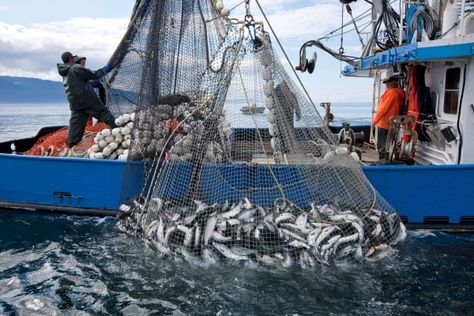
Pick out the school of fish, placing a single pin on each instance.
(281, 236)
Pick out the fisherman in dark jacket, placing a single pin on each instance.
(83, 101)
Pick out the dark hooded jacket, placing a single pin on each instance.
(79, 91)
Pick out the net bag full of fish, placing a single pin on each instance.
(240, 167)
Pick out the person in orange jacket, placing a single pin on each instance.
(390, 104)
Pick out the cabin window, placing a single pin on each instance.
(451, 90)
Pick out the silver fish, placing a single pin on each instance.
(138, 205)
(311, 238)
(400, 236)
(314, 210)
(218, 237)
(370, 252)
(245, 215)
(225, 206)
(377, 212)
(288, 261)
(381, 251)
(210, 225)
(359, 253)
(301, 221)
(403, 232)
(160, 233)
(233, 221)
(226, 252)
(270, 226)
(189, 219)
(125, 208)
(188, 234)
(345, 218)
(320, 225)
(297, 229)
(175, 217)
(156, 204)
(159, 247)
(330, 243)
(121, 227)
(242, 251)
(201, 207)
(346, 251)
(257, 231)
(284, 217)
(247, 205)
(197, 236)
(247, 228)
(279, 256)
(233, 212)
(374, 218)
(269, 261)
(261, 211)
(327, 210)
(392, 220)
(151, 229)
(306, 260)
(221, 225)
(170, 231)
(377, 230)
(292, 235)
(299, 244)
(359, 230)
(268, 218)
(344, 240)
(324, 234)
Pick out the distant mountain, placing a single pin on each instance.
(30, 90)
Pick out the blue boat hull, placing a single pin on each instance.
(421, 194)
(427, 194)
(68, 184)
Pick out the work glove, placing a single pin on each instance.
(107, 69)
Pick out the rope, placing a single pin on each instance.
(289, 62)
(349, 10)
(260, 137)
(427, 20)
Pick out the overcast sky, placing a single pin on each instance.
(34, 33)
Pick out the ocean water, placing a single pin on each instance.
(53, 265)
(24, 120)
(355, 113)
(78, 266)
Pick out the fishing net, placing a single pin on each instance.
(239, 166)
(55, 144)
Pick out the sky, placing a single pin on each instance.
(34, 33)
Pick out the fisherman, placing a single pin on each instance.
(390, 104)
(96, 84)
(83, 101)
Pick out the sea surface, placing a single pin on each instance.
(54, 265)
(24, 120)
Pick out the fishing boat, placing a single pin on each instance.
(252, 109)
(425, 179)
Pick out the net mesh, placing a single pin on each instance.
(239, 164)
(55, 144)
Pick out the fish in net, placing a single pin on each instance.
(270, 187)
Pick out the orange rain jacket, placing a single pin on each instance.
(390, 104)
